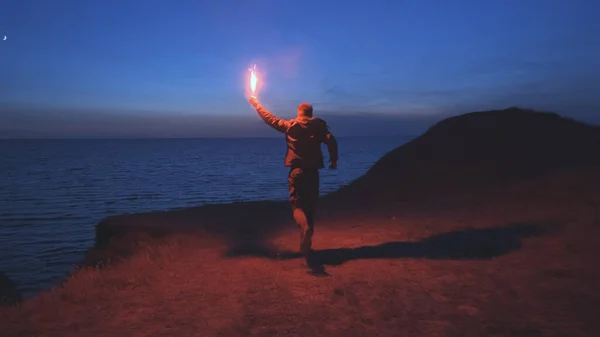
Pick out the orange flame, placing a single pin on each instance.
(253, 80)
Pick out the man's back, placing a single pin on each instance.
(304, 137)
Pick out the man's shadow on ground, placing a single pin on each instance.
(473, 244)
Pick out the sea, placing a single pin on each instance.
(53, 192)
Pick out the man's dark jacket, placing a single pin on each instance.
(304, 136)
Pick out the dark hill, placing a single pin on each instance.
(476, 151)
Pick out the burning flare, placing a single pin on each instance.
(253, 79)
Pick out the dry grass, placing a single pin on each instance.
(541, 285)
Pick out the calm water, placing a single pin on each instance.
(53, 192)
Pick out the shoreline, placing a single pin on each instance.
(37, 262)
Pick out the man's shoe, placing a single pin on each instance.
(314, 265)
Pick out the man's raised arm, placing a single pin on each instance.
(272, 120)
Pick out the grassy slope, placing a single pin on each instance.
(515, 280)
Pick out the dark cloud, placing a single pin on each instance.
(369, 108)
(553, 88)
(48, 123)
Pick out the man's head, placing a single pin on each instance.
(305, 110)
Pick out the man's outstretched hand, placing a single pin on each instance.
(253, 101)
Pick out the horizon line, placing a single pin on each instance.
(185, 138)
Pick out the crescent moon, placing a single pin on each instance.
(4, 39)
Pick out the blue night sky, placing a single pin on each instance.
(123, 68)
